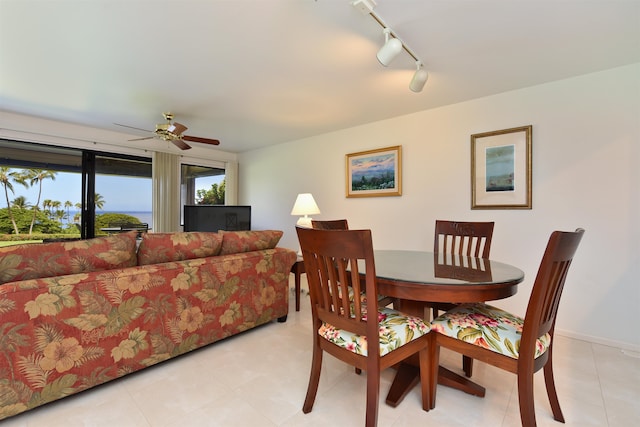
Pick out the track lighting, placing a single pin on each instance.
(419, 78)
(391, 49)
(393, 45)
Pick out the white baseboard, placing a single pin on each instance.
(626, 346)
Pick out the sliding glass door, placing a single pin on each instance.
(69, 192)
(201, 185)
(123, 193)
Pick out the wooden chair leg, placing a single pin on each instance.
(467, 362)
(373, 396)
(434, 367)
(551, 390)
(314, 379)
(525, 398)
(423, 360)
(467, 366)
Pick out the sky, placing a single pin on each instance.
(120, 193)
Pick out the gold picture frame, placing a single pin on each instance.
(501, 169)
(374, 173)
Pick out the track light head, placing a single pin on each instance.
(393, 45)
(419, 78)
(390, 50)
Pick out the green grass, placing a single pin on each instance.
(20, 242)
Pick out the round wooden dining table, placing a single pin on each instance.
(416, 277)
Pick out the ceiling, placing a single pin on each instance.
(253, 73)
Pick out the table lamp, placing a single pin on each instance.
(305, 205)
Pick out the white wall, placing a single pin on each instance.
(586, 156)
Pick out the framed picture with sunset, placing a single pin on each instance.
(375, 173)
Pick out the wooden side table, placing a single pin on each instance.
(297, 269)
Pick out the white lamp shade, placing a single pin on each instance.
(305, 205)
(390, 50)
(419, 80)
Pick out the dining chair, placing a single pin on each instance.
(345, 328)
(343, 224)
(472, 239)
(521, 346)
(462, 238)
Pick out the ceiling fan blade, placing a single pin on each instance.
(181, 144)
(141, 139)
(201, 140)
(131, 127)
(176, 128)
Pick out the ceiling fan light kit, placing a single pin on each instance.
(393, 45)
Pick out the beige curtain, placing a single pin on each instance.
(166, 192)
(231, 183)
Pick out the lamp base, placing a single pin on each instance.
(304, 221)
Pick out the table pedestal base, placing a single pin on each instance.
(409, 375)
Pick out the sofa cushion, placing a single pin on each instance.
(34, 261)
(156, 248)
(247, 241)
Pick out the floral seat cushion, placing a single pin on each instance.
(396, 329)
(487, 326)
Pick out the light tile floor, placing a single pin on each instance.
(259, 378)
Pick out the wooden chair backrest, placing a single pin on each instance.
(542, 309)
(331, 264)
(463, 238)
(333, 224)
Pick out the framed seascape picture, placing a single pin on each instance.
(375, 173)
(501, 169)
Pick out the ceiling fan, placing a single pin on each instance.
(173, 132)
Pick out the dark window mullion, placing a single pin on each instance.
(88, 218)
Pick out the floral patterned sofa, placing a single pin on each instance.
(74, 315)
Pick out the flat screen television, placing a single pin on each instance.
(216, 217)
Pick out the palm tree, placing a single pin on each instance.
(36, 176)
(99, 201)
(59, 215)
(20, 202)
(5, 178)
(67, 205)
(46, 205)
(78, 216)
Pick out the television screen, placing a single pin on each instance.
(216, 217)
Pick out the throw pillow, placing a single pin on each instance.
(156, 248)
(34, 261)
(246, 241)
